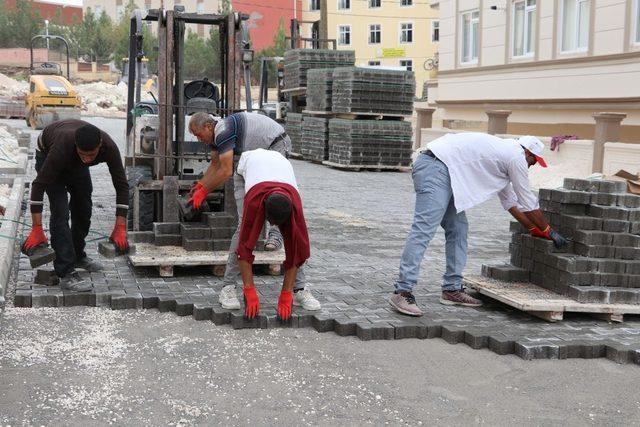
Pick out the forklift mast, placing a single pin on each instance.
(171, 99)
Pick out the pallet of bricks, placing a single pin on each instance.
(358, 113)
(298, 64)
(598, 272)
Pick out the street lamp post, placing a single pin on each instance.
(46, 32)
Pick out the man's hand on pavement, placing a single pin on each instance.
(36, 238)
(251, 302)
(198, 197)
(285, 304)
(119, 236)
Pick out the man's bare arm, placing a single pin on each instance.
(246, 272)
(537, 218)
(220, 170)
(289, 279)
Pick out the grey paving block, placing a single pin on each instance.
(501, 345)
(569, 196)
(344, 327)
(184, 307)
(616, 226)
(72, 299)
(202, 311)
(46, 276)
(476, 339)
(452, 334)
(140, 236)
(22, 298)
(128, 301)
(55, 298)
(627, 253)
(195, 231)
(620, 353)
(604, 199)
(530, 351)
(41, 255)
(166, 228)
(197, 245)
(367, 331)
(149, 299)
(220, 316)
(322, 322)
(166, 303)
(168, 240)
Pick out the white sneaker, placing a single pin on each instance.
(306, 300)
(228, 298)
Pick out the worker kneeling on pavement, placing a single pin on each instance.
(237, 134)
(271, 194)
(66, 149)
(457, 172)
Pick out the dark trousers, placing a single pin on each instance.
(68, 241)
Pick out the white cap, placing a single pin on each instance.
(535, 146)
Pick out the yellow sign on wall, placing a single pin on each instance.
(393, 52)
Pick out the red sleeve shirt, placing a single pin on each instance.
(294, 231)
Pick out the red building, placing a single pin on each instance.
(47, 10)
(265, 18)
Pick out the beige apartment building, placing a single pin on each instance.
(391, 33)
(115, 9)
(553, 63)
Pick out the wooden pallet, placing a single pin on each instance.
(327, 114)
(355, 115)
(296, 91)
(167, 257)
(372, 168)
(546, 304)
(296, 156)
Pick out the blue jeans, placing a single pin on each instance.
(434, 206)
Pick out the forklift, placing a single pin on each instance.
(51, 96)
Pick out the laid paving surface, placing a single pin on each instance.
(358, 223)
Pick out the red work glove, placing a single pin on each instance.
(193, 188)
(198, 197)
(535, 232)
(36, 238)
(285, 304)
(119, 237)
(251, 302)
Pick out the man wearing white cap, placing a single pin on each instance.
(454, 173)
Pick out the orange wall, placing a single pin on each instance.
(266, 16)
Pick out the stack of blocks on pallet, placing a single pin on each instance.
(298, 61)
(213, 233)
(319, 89)
(370, 90)
(293, 127)
(602, 261)
(370, 142)
(315, 137)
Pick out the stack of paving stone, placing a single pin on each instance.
(298, 61)
(601, 263)
(319, 89)
(212, 234)
(370, 90)
(315, 139)
(293, 127)
(370, 142)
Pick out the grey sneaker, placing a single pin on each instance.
(274, 240)
(73, 282)
(303, 298)
(405, 303)
(88, 264)
(459, 298)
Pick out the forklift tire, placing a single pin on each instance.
(135, 175)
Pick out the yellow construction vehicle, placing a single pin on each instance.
(51, 96)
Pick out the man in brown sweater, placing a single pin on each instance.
(66, 150)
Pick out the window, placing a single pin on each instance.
(407, 64)
(575, 25)
(374, 63)
(314, 5)
(344, 34)
(524, 28)
(637, 22)
(406, 2)
(344, 4)
(374, 3)
(469, 23)
(435, 31)
(98, 11)
(200, 9)
(406, 32)
(374, 33)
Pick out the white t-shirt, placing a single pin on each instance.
(262, 165)
(481, 166)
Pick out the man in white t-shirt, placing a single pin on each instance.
(271, 194)
(457, 172)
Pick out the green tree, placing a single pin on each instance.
(17, 26)
(276, 49)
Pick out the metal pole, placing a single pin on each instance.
(46, 32)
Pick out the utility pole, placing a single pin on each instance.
(46, 32)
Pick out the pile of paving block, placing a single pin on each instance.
(602, 261)
(370, 90)
(298, 61)
(370, 142)
(212, 233)
(315, 137)
(293, 127)
(319, 89)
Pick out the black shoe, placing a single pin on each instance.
(88, 264)
(73, 282)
